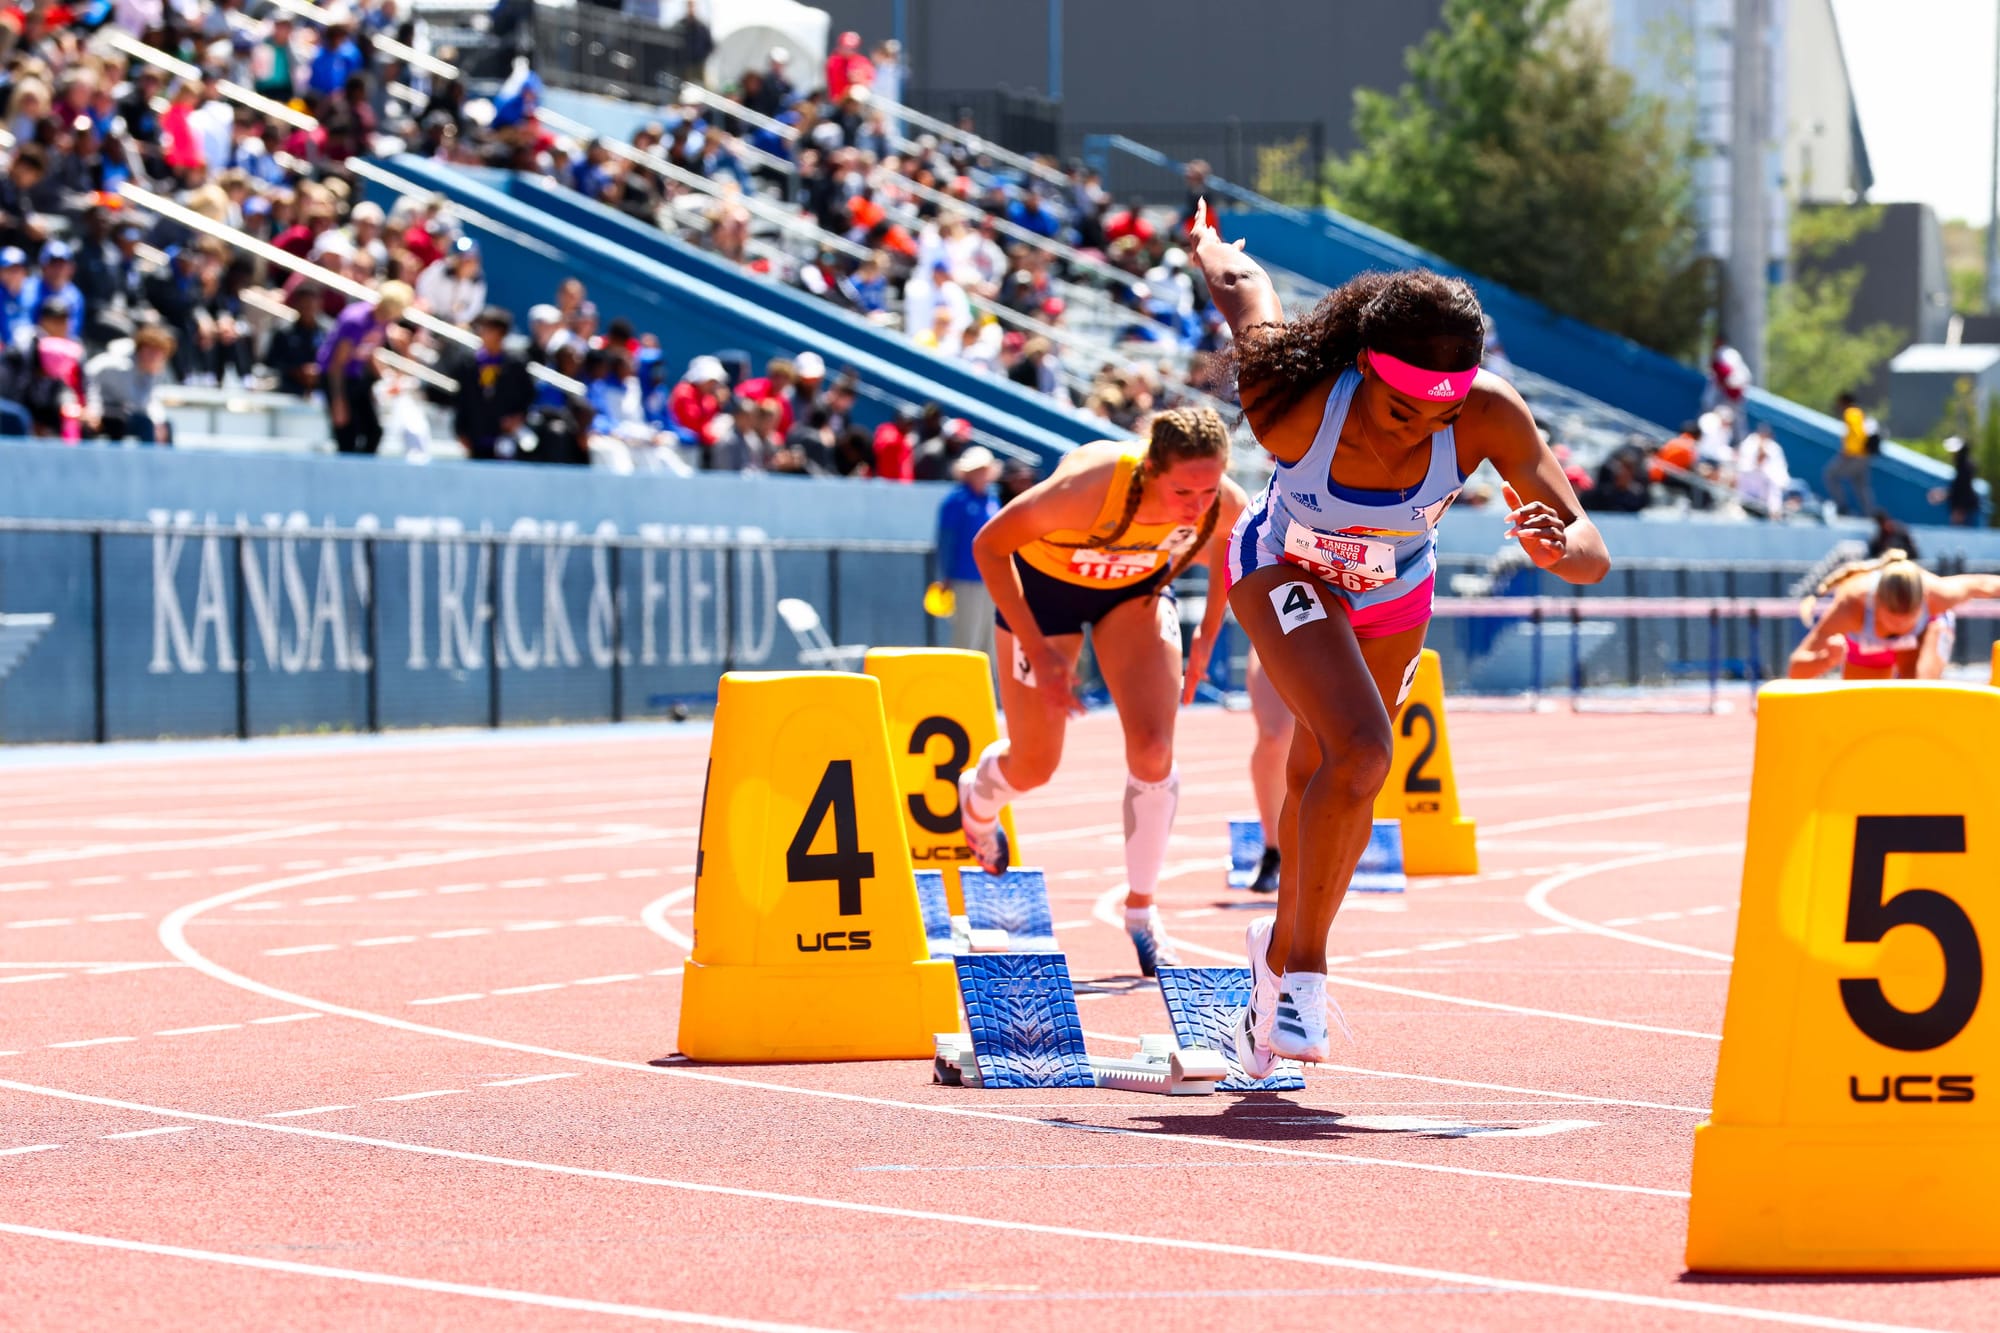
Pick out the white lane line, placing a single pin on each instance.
(44, 921)
(1707, 911)
(463, 933)
(1664, 916)
(88, 1041)
(34, 976)
(310, 1110)
(639, 874)
(257, 907)
(28, 1148)
(1497, 939)
(529, 990)
(88, 881)
(287, 1018)
(25, 885)
(452, 999)
(178, 845)
(532, 925)
(1622, 921)
(1591, 1295)
(534, 883)
(461, 888)
(665, 972)
(600, 921)
(231, 870)
(1566, 819)
(419, 1096)
(507, 1295)
(292, 949)
(329, 900)
(1550, 930)
(189, 1032)
(149, 1133)
(376, 940)
(606, 981)
(532, 1078)
(1537, 897)
(170, 874)
(302, 865)
(587, 877)
(117, 916)
(388, 894)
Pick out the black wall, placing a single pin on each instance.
(1128, 64)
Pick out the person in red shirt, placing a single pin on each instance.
(847, 66)
(776, 385)
(892, 447)
(1128, 221)
(299, 239)
(698, 398)
(424, 238)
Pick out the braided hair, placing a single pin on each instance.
(1415, 315)
(1173, 436)
(1900, 589)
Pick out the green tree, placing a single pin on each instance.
(1812, 356)
(1519, 152)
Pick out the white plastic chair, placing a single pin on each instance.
(815, 648)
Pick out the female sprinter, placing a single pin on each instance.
(1099, 544)
(1374, 411)
(1886, 620)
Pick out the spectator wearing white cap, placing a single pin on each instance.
(698, 398)
(544, 322)
(965, 510)
(808, 383)
(454, 288)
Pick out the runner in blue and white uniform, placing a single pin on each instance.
(1373, 407)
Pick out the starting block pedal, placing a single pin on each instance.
(1024, 1032)
(1246, 851)
(936, 910)
(1015, 901)
(1381, 867)
(1202, 1004)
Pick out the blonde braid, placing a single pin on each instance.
(1852, 569)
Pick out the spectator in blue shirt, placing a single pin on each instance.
(14, 315)
(964, 512)
(338, 59)
(56, 280)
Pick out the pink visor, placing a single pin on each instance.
(1436, 386)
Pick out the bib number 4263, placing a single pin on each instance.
(1869, 918)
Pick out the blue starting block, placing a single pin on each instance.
(1015, 901)
(1202, 1004)
(936, 909)
(1024, 1032)
(1381, 868)
(1246, 851)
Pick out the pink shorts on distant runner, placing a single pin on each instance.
(1384, 619)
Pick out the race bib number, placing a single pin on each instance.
(1297, 604)
(1112, 566)
(1357, 564)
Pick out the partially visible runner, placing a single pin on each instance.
(1267, 765)
(1373, 408)
(1099, 544)
(1884, 619)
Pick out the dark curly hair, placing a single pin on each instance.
(1414, 315)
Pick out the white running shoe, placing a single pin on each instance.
(1150, 941)
(986, 839)
(1298, 1031)
(1253, 1021)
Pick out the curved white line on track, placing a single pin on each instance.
(1587, 1294)
(1617, 812)
(1537, 898)
(654, 915)
(174, 936)
(506, 1294)
(1104, 911)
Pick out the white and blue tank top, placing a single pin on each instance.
(1870, 639)
(1370, 546)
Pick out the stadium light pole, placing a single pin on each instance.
(1745, 290)
(1993, 183)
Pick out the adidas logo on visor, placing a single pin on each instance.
(1442, 389)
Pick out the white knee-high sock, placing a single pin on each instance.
(990, 790)
(1149, 819)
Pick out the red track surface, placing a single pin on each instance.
(324, 1037)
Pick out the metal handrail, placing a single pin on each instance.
(114, 527)
(438, 328)
(986, 147)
